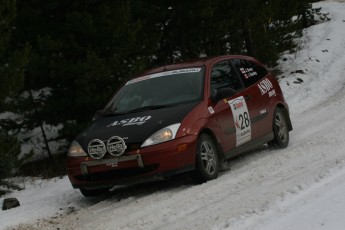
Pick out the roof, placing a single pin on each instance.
(192, 63)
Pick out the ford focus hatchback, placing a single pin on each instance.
(187, 117)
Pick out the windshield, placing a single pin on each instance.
(158, 90)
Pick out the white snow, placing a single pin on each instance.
(300, 187)
(35, 141)
(32, 139)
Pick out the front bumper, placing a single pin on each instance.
(157, 161)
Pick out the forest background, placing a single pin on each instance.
(61, 60)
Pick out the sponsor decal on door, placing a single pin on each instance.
(266, 86)
(241, 117)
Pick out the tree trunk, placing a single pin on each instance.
(247, 33)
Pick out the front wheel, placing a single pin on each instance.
(207, 160)
(280, 130)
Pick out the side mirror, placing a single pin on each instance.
(223, 93)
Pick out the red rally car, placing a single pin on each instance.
(187, 117)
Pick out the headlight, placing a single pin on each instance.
(75, 150)
(165, 134)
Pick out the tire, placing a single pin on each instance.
(93, 192)
(280, 130)
(207, 160)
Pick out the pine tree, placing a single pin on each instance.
(12, 60)
(82, 51)
(9, 161)
(12, 64)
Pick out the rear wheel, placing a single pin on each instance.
(207, 160)
(280, 130)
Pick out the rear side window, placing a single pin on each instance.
(224, 76)
(250, 72)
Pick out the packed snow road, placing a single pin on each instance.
(265, 189)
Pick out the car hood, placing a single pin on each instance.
(134, 128)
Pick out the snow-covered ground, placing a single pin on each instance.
(300, 187)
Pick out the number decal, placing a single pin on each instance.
(241, 119)
(244, 120)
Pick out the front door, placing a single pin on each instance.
(230, 114)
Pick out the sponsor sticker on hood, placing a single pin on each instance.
(130, 121)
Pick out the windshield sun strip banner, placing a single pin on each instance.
(162, 74)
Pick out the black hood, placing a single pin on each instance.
(134, 127)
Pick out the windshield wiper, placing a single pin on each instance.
(150, 107)
(110, 113)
